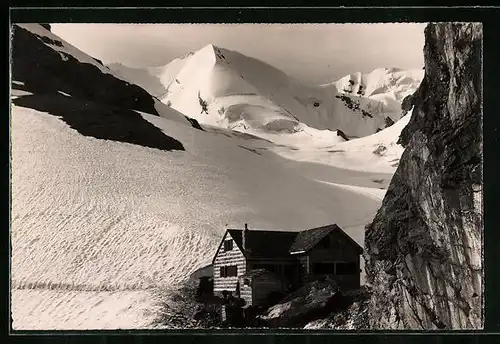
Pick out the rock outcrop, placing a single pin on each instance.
(342, 135)
(92, 102)
(407, 104)
(44, 67)
(352, 317)
(424, 247)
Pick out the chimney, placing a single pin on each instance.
(244, 237)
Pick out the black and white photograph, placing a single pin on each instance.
(246, 176)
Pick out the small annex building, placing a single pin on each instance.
(257, 285)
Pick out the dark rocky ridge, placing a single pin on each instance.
(101, 121)
(407, 104)
(342, 135)
(424, 247)
(46, 72)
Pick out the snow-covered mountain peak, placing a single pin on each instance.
(212, 53)
(211, 47)
(224, 88)
(396, 81)
(208, 51)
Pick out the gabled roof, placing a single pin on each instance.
(307, 239)
(264, 244)
(218, 247)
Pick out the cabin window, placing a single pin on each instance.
(246, 281)
(232, 271)
(350, 268)
(229, 271)
(228, 245)
(323, 268)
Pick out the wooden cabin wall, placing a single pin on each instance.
(227, 258)
(303, 269)
(341, 255)
(263, 286)
(341, 250)
(246, 292)
(349, 281)
(288, 269)
(251, 263)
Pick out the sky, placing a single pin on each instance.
(313, 53)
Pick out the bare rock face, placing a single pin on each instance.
(45, 70)
(92, 102)
(424, 247)
(407, 104)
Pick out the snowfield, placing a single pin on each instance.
(92, 215)
(70, 309)
(379, 152)
(377, 194)
(99, 226)
(139, 76)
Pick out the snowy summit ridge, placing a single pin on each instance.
(224, 88)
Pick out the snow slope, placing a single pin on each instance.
(62, 68)
(36, 309)
(92, 215)
(143, 77)
(153, 79)
(113, 185)
(379, 152)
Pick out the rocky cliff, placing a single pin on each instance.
(424, 247)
